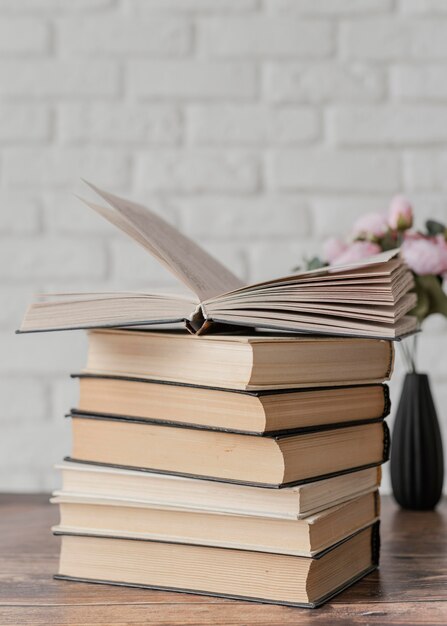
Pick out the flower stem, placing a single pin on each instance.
(414, 352)
(406, 355)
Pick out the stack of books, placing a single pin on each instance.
(243, 466)
(229, 461)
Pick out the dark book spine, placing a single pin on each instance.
(375, 543)
(390, 368)
(386, 442)
(386, 401)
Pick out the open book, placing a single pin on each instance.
(369, 298)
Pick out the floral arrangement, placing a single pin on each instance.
(425, 252)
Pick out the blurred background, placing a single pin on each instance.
(258, 127)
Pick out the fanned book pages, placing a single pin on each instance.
(369, 298)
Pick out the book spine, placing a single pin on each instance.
(375, 543)
(390, 368)
(386, 442)
(201, 324)
(196, 322)
(376, 503)
(386, 401)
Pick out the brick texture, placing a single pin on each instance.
(158, 36)
(264, 37)
(334, 171)
(252, 125)
(259, 127)
(189, 79)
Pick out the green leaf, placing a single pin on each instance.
(431, 297)
(389, 241)
(421, 310)
(434, 228)
(315, 263)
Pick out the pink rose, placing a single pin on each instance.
(413, 235)
(370, 226)
(357, 251)
(400, 214)
(333, 248)
(426, 255)
(442, 245)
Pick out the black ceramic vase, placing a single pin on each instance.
(417, 468)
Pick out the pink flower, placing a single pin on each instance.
(357, 251)
(370, 226)
(426, 255)
(400, 214)
(333, 248)
(442, 245)
(413, 235)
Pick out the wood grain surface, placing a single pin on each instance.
(409, 588)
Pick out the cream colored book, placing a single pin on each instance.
(87, 515)
(240, 574)
(179, 492)
(253, 362)
(275, 461)
(257, 412)
(369, 298)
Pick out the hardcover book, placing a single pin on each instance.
(369, 298)
(226, 572)
(251, 459)
(255, 412)
(85, 515)
(246, 362)
(172, 491)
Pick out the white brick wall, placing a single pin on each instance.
(257, 126)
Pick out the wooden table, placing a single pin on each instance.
(410, 588)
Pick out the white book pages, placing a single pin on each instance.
(198, 270)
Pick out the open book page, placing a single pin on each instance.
(371, 298)
(364, 311)
(374, 293)
(120, 222)
(382, 264)
(323, 325)
(70, 311)
(198, 270)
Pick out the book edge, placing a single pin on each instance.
(272, 434)
(310, 605)
(297, 483)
